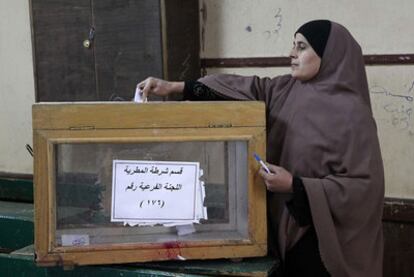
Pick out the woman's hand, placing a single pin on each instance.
(159, 87)
(279, 180)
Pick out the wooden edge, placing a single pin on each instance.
(40, 189)
(379, 59)
(134, 136)
(164, 43)
(33, 48)
(146, 255)
(398, 210)
(245, 62)
(152, 246)
(127, 115)
(257, 191)
(51, 190)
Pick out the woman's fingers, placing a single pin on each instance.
(263, 173)
(280, 180)
(274, 168)
(141, 84)
(146, 86)
(155, 86)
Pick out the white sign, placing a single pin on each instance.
(74, 240)
(156, 192)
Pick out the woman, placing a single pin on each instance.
(327, 187)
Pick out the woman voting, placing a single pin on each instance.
(326, 185)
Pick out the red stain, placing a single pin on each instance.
(172, 249)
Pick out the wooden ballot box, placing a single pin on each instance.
(126, 182)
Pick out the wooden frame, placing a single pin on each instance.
(57, 123)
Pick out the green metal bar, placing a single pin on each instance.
(23, 265)
(20, 190)
(16, 221)
(261, 266)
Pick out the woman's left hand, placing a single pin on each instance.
(279, 180)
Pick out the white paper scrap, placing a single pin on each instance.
(181, 258)
(187, 229)
(74, 240)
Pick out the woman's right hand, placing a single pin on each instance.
(159, 87)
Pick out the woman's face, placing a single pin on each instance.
(305, 63)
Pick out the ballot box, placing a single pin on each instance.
(127, 182)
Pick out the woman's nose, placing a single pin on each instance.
(292, 54)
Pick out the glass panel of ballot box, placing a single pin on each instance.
(87, 196)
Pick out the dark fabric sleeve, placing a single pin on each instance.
(304, 258)
(196, 91)
(298, 206)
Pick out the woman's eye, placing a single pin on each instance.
(299, 47)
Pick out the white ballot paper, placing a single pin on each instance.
(157, 192)
(138, 96)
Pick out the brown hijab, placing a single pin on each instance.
(323, 131)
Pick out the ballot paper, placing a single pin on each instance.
(147, 193)
(138, 98)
